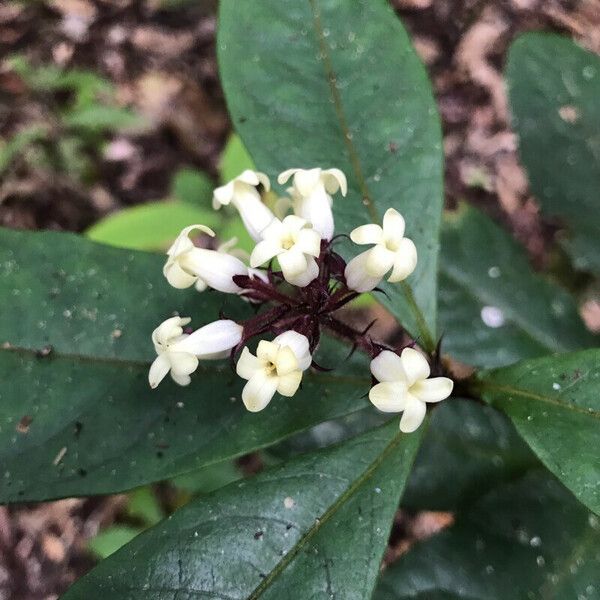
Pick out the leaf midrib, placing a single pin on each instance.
(202, 368)
(326, 516)
(485, 385)
(427, 339)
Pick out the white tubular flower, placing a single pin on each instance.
(311, 193)
(242, 193)
(391, 251)
(188, 265)
(404, 386)
(277, 367)
(179, 352)
(294, 245)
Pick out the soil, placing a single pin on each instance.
(162, 63)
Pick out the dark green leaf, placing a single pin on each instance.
(527, 540)
(75, 332)
(292, 532)
(494, 310)
(338, 83)
(554, 403)
(554, 88)
(476, 444)
(151, 226)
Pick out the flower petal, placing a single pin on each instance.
(283, 177)
(357, 277)
(299, 345)
(247, 365)
(255, 214)
(181, 378)
(289, 383)
(393, 225)
(216, 269)
(176, 276)
(335, 179)
(405, 261)
(306, 180)
(267, 351)
(292, 263)
(286, 361)
(304, 278)
(387, 366)
(389, 396)
(217, 336)
(293, 223)
(367, 234)
(182, 363)
(263, 252)
(413, 415)
(259, 391)
(223, 195)
(432, 390)
(379, 261)
(158, 369)
(415, 365)
(309, 242)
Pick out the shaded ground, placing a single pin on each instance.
(162, 63)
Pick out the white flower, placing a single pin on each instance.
(295, 247)
(404, 386)
(242, 193)
(277, 367)
(311, 194)
(188, 265)
(179, 352)
(391, 251)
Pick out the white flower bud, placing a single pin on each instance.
(277, 367)
(404, 386)
(188, 265)
(179, 352)
(391, 251)
(242, 193)
(295, 247)
(311, 195)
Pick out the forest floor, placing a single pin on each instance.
(160, 56)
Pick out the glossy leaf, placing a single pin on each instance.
(554, 86)
(337, 83)
(494, 310)
(77, 416)
(529, 539)
(472, 446)
(151, 226)
(286, 533)
(554, 403)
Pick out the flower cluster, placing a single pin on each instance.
(298, 282)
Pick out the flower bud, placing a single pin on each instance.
(242, 193)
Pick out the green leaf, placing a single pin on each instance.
(193, 187)
(338, 84)
(554, 403)
(15, 145)
(476, 444)
(107, 542)
(554, 86)
(98, 118)
(293, 531)
(143, 504)
(530, 539)
(234, 160)
(494, 310)
(75, 349)
(149, 226)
